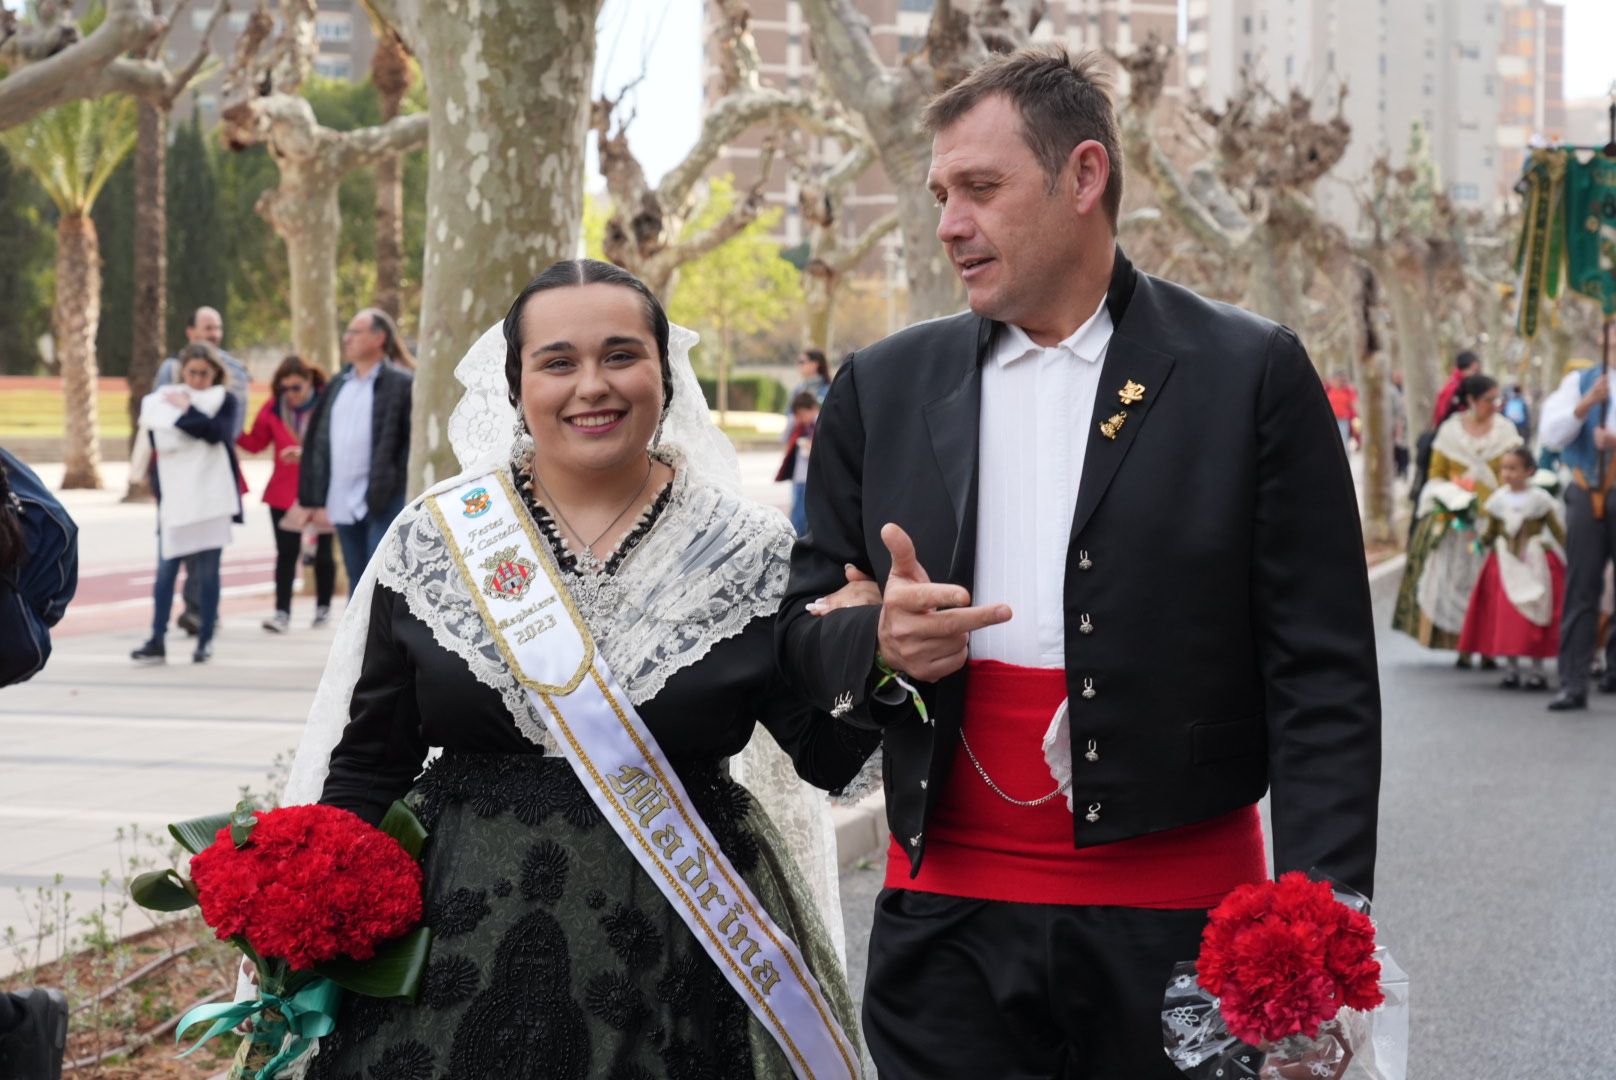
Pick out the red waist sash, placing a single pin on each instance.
(980, 846)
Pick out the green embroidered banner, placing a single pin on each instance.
(1590, 200)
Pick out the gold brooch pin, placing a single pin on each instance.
(1132, 393)
(1110, 427)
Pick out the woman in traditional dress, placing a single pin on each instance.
(1515, 610)
(1443, 557)
(555, 952)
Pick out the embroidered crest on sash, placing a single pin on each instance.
(476, 502)
(512, 574)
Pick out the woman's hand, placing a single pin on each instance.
(860, 591)
(177, 398)
(291, 454)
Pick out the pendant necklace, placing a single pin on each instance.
(589, 564)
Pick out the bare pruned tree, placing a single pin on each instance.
(261, 105)
(822, 194)
(888, 100)
(51, 62)
(646, 230)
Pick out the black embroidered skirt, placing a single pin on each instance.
(554, 955)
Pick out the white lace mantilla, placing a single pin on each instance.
(710, 564)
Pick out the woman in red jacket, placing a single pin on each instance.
(281, 424)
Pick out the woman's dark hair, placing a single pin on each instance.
(294, 366)
(201, 350)
(1472, 387)
(821, 365)
(1524, 456)
(584, 272)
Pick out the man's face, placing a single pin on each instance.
(1010, 239)
(206, 325)
(362, 342)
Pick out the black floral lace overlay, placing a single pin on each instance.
(405, 1061)
(554, 956)
(449, 980)
(544, 872)
(458, 913)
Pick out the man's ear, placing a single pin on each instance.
(1088, 171)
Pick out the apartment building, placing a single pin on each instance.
(1484, 77)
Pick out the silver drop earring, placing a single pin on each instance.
(521, 444)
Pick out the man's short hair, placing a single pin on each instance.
(805, 399)
(190, 321)
(1063, 100)
(1466, 360)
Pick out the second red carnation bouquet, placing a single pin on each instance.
(318, 900)
(1289, 983)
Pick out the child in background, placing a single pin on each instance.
(794, 467)
(1515, 609)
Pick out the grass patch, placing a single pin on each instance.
(37, 413)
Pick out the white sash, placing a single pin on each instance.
(549, 649)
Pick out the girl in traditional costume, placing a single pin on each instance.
(583, 624)
(1443, 557)
(1515, 610)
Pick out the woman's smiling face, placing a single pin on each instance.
(591, 377)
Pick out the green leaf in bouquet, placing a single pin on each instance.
(394, 972)
(198, 833)
(402, 825)
(242, 823)
(162, 890)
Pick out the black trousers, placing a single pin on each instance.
(1590, 544)
(989, 990)
(288, 546)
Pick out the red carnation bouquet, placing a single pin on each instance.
(1289, 983)
(318, 900)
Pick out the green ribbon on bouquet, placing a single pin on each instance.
(310, 1013)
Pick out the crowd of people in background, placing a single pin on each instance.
(338, 443)
(1510, 553)
(339, 450)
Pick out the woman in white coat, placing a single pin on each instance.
(186, 445)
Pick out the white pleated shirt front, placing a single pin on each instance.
(1037, 405)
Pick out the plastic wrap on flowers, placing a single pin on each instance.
(1354, 1046)
(1289, 983)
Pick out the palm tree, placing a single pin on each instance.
(72, 151)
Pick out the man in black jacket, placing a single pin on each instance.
(1100, 487)
(357, 448)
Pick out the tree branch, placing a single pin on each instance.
(80, 69)
(367, 146)
(738, 217)
(842, 261)
(845, 51)
(183, 77)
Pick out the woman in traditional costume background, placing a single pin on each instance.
(1515, 610)
(555, 954)
(1444, 559)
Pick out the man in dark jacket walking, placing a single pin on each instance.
(358, 443)
(1123, 597)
